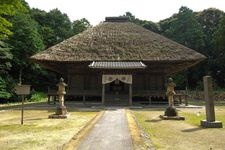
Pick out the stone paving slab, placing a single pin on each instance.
(110, 132)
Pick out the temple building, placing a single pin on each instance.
(117, 60)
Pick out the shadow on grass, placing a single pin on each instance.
(153, 120)
(36, 119)
(149, 109)
(18, 106)
(193, 129)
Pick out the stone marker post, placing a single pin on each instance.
(61, 111)
(210, 112)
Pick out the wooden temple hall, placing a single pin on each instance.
(117, 61)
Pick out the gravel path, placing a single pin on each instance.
(110, 132)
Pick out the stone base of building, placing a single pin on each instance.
(172, 117)
(214, 124)
(61, 113)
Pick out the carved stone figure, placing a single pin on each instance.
(61, 91)
(170, 91)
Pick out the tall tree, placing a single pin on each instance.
(25, 42)
(55, 25)
(185, 29)
(209, 20)
(44, 28)
(7, 10)
(5, 66)
(60, 24)
(218, 70)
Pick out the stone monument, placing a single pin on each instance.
(210, 112)
(61, 111)
(171, 112)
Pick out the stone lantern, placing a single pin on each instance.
(61, 111)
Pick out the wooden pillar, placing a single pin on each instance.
(22, 109)
(103, 94)
(84, 99)
(186, 100)
(150, 99)
(130, 94)
(49, 98)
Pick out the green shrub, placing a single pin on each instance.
(6, 86)
(38, 96)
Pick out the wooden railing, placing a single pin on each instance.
(52, 94)
(181, 95)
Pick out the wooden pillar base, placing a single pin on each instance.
(130, 94)
(103, 94)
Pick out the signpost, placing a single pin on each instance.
(22, 90)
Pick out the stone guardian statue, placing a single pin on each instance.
(170, 91)
(61, 91)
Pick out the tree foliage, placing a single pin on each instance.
(25, 42)
(30, 30)
(81, 25)
(55, 26)
(5, 66)
(8, 8)
(149, 25)
(209, 20)
(184, 28)
(218, 68)
(5, 58)
(26, 39)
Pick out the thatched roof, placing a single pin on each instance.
(118, 41)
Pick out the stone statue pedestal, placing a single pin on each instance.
(61, 113)
(171, 114)
(61, 110)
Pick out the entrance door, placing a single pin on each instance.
(117, 88)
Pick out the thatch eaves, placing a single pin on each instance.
(118, 41)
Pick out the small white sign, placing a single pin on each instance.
(22, 89)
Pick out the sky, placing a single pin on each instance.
(96, 10)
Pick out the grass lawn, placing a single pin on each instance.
(39, 132)
(182, 135)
